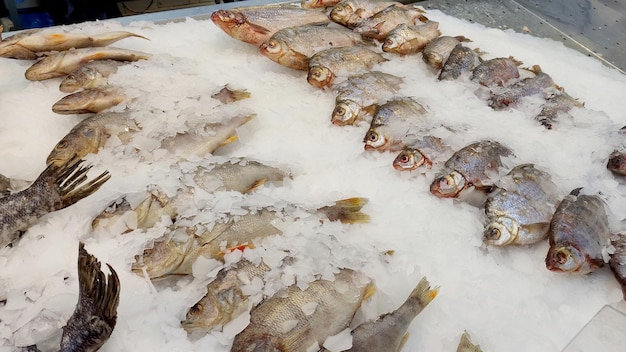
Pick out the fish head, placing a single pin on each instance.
(375, 139)
(203, 316)
(274, 48)
(320, 76)
(163, 258)
(79, 142)
(409, 159)
(448, 186)
(501, 231)
(565, 258)
(345, 112)
(78, 79)
(392, 43)
(341, 12)
(226, 19)
(43, 69)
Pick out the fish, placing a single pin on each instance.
(380, 24)
(497, 71)
(224, 299)
(519, 210)
(240, 175)
(327, 65)
(296, 320)
(556, 105)
(437, 51)
(56, 188)
(466, 345)
(460, 61)
(89, 101)
(91, 134)
(28, 45)
(93, 74)
(406, 39)
(389, 332)
(66, 62)
(313, 4)
(361, 93)
(393, 121)
(176, 253)
(227, 95)
(617, 163)
(427, 151)
(617, 262)
(349, 13)
(292, 47)
(474, 165)
(256, 24)
(95, 316)
(579, 232)
(541, 84)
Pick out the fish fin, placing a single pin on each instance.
(423, 18)
(462, 38)
(227, 95)
(370, 110)
(534, 233)
(240, 247)
(369, 291)
(466, 345)
(516, 62)
(422, 293)
(348, 211)
(258, 28)
(112, 37)
(255, 185)
(69, 178)
(575, 192)
(405, 338)
(229, 140)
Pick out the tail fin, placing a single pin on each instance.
(466, 345)
(68, 178)
(348, 211)
(423, 294)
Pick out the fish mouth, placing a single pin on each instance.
(319, 77)
(563, 259)
(270, 47)
(448, 186)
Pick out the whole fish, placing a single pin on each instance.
(94, 318)
(65, 62)
(466, 345)
(362, 92)
(224, 299)
(327, 65)
(389, 332)
(176, 254)
(89, 101)
(295, 320)
(351, 12)
(92, 75)
(28, 45)
(313, 4)
(579, 231)
(256, 24)
(558, 104)
(618, 260)
(474, 165)
(393, 121)
(519, 210)
(406, 39)
(91, 134)
(292, 47)
(496, 71)
(58, 187)
(427, 150)
(461, 60)
(380, 24)
(541, 84)
(437, 51)
(239, 175)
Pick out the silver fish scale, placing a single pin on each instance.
(437, 51)
(495, 71)
(537, 85)
(477, 160)
(310, 39)
(462, 59)
(346, 59)
(369, 88)
(618, 261)
(404, 109)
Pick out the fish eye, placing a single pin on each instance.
(561, 257)
(196, 309)
(404, 158)
(61, 145)
(493, 234)
(339, 111)
(372, 136)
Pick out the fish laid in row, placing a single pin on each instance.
(89, 101)
(427, 150)
(326, 66)
(381, 23)
(28, 45)
(462, 60)
(256, 24)
(579, 233)
(350, 13)
(58, 187)
(407, 39)
(541, 84)
(437, 51)
(496, 71)
(94, 74)
(520, 209)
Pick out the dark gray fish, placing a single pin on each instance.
(57, 187)
(579, 232)
(496, 71)
(437, 51)
(95, 315)
(541, 84)
(618, 260)
(461, 60)
(558, 104)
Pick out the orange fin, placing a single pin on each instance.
(255, 185)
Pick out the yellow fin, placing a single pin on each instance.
(255, 185)
(347, 211)
(405, 338)
(229, 140)
(369, 291)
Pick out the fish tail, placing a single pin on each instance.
(69, 178)
(466, 345)
(348, 211)
(92, 283)
(112, 37)
(423, 294)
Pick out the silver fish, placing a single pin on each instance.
(558, 104)
(461, 60)
(406, 39)
(280, 323)
(58, 187)
(327, 65)
(393, 121)
(579, 231)
(496, 71)
(89, 101)
(437, 51)
(65, 62)
(312, 4)
(474, 165)
(92, 75)
(351, 12)
(360, 93)
(28, 45)
(427, 151)
(521, 207)
(239, 175)
(618, 260)
(380, 24)
(541, 84)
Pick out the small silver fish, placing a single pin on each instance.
(89, 101)
(393, 121)
(437, 51)
(461, 60)
(92, 75)
(427, 151)
(406, 39)
(351, 12)
(496, 71)
(558, 104)
(541, 84)
(327, 65)
(380, 24)
(579, 231)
